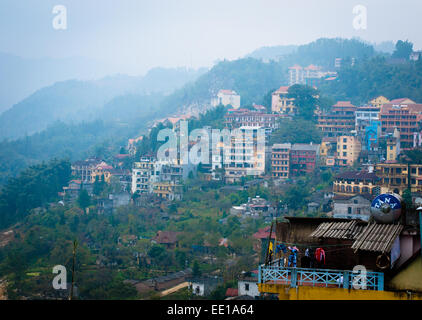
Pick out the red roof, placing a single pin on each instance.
(122, 156)
(344, 104)
(296, 66)
(232, 292)
(264, 233)
(398, 101)
(166, 237)
(283, 89)
(312, 67)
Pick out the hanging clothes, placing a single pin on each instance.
(270, 251)
(307, 253)
(293, 257)
(320, 256)
(281, 247)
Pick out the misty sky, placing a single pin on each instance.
(134, 36)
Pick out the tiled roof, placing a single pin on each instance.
(305, 147)
(282, 89)
(264, 233)
(232, 292)
(358, 175)
(344, 104)
(377, 237)
(338, 230)
(166, 236)
(400, 100)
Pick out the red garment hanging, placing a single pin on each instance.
(320, 255)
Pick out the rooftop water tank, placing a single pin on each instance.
(387, 208)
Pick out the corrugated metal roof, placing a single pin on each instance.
(377, 237)
(338, 230)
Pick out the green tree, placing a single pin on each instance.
(403, 50)
(306, 100)
(84, 200)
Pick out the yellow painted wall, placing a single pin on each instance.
(410, 278)
(319, 293)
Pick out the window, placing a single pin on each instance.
(349, 210)
(246, 286)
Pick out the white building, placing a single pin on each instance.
(247, 286)
(227, 97)
(244, 155)
(159, 177)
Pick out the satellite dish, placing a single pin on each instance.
(387, 208)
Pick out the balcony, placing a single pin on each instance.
(310, 277)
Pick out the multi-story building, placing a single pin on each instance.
(84, 168)
(365, 115)
(303, 158)
(280, 160)
(352, 183)
(296, 75)
(102, 172)
(339, 120)
(405, 115)
(168, 190)
(397, 177)
(143, 175)
(236, 118)
(281, 103)
(311, 75)
(151, 176)
(393, 145)
(227, 97)
(348, 150)
(244, 154)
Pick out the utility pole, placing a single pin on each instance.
(75, 245)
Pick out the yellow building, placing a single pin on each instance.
(348, 150)
(102, 171)
(355, 182)
(393, 146)
(397, 177)
(167, 190)
(379, 101)
(280, 103)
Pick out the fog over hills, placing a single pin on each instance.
(76, 100)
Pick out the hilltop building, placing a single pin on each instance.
(225, 98)
(281, 103)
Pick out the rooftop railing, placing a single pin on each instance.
(295, 277)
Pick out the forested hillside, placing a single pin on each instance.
(374, 77)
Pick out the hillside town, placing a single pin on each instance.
(370, 152)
